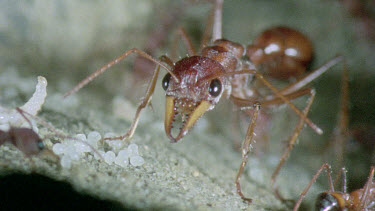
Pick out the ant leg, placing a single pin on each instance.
(311, 76)
(294, 108)
(343, 173)
(115, 61)
(214, 23)
(181, 33)
(296, 132)
(158, 36)
(217, 22)
(19, 110)
(291, 96)
(245, 151)
(367, 190)
(304, 192)
(344, 108)
(207, 30)
(292, 142)
(145, 101)
(279, 95)
(341, 132)
(59, 134)
(276, 101)
(167, 60)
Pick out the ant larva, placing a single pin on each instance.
(360, 199)
(195, 84)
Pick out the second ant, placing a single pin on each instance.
(361, 199)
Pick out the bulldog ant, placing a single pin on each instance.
(195, 84)
(361, 199)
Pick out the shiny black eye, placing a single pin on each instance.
(40, 144)
(215, 88)
(326, 202)
(165, 82)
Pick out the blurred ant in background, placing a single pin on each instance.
(357, 200)
(24, 139)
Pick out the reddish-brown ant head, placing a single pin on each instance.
(200, 87)
(26, 140)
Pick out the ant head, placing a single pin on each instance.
(27, 141)
(330, 201)
(199, 89)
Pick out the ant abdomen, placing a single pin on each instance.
(281, 52)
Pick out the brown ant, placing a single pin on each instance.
(195, 84)
(361, 199)
(25, 139)
(29, 142)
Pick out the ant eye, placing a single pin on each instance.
(326, 201)
(40, 145)
(215, 88)
(165, 82)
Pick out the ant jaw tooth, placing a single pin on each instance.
(181, 115)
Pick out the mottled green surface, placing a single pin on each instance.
(66, 40)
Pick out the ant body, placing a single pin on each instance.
(361, 199)
(25, 139)
(29, 142)
(195, 84)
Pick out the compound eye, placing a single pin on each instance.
(40, 145)
(165, 82)
(327, 202)
(215, 88)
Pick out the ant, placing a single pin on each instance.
(361, 199)
(195, 84)
(29, 142)
(25, 139)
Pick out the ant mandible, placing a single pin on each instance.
(361, 199)
(195, 84)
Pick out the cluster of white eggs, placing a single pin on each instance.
(71, 151)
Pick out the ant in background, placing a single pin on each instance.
(29, 142)
(195, 84)
(24, 139)
(361, 199)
